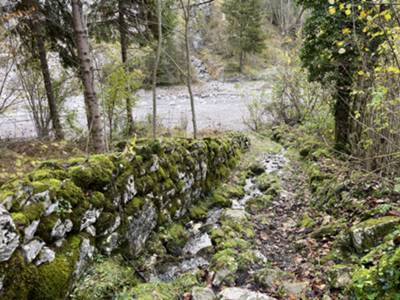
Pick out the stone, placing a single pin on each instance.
(61, 228)
(1, 281)
(222, 274)
(199, 293)
(295, 289)
(114, 227)
(90, 217)
(9, 239)
(130, 190)
(235, 214)
(85, 254)
(140, 227)
(367, 234)
(7, 203)
(91, 230)
(32, 249)
(235, 293)
(197, 243)
(45, 255)
(51, 208)
(110, 243)
(30, 231)
(339, 276)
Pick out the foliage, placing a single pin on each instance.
(244, 20)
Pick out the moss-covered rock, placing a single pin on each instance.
(368, 233)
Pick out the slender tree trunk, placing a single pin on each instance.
(241, 62)
(86, 71)
(124, 57)
(156, 64)
(186, 13)
(40, 45)
(342, 119)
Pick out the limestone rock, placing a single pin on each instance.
(45, 255)
(30, 231)
(130, 190)
(197, 243)
(61, 228)
(90, 217)
(368, 233)
(85, 254)
(235, 293)
(32, 249)
(339, 276)
(1, 281)
(9, 239)
(296, 289)
(236, 214)
(110, 243)
(199, 293)
(140, 227)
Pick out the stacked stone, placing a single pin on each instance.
(57, 217)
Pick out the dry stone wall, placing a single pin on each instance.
(57, 217)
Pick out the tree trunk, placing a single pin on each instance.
(86, 71)
(186, 13)
(124, 56)
(241, 62)
(155, 69)
(39, 44)
(342, 119)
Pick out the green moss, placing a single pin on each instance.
(45, 227)
(163, 290)
(98, 200)
(95, 173)
(105, 279)
(234, 191)
(46, 173)
(306, 221)
(175, 237)
(47, 282)
(33, 211)
(219, 199)
(268, 183)
(380, 281)
(19, 219)
(198, 212)
(259, 203)
(105, 221)
(134, 206)
(49, 184)
(225, 259)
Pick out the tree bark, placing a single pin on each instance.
(342, 119)
(186, 13)
(241, 61)
(155, 69)
(40, 45)
(86, 71)
(124, 57)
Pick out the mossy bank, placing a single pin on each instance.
(57, 217)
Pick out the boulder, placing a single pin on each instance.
(199, 293)
(367, 234)
(9, 239)
(235, 293)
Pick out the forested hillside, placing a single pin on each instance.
(199, 149)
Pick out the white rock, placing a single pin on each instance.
(45, 255)
(30, 231)
(90, 217)
(32, 249)
(86, 253)
(61, 228)
(9, 239)
(199, 293)
(235, 293)
(197, 243)
(51, 208)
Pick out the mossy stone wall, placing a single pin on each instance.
(54, 219)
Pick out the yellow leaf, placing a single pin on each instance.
(332, 10)
(348, 12)
(346, 30)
